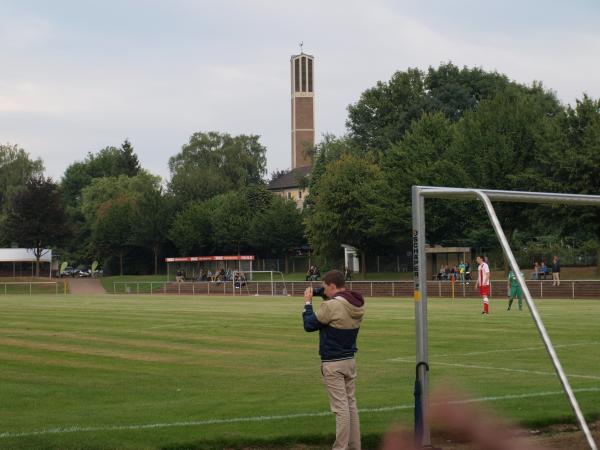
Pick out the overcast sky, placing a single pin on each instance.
(76, 76)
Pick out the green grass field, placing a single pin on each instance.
(198, 372)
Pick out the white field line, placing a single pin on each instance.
(500, 350)
(504, 369)
(77, 429)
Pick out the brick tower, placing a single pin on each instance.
(303, 109)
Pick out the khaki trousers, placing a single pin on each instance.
(339, 378)
(555, 278)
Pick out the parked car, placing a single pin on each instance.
(98, 273)
(84, 273)
(68, 272)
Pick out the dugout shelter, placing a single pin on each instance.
(20, 262)
(192, 265)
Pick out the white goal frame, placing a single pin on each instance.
(419, 194)
(248, 275)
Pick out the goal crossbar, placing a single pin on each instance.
(419, 193)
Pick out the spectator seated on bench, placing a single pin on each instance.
(313, 274)
(543, 271)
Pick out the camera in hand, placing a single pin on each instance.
(319, 292)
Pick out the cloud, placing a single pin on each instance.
(76, 80)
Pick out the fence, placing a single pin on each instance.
(31, 287)
(539, 289)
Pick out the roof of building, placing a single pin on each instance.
(289, 180)
(23, 255)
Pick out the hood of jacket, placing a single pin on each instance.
(354, 298)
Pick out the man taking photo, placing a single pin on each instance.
(338, 321)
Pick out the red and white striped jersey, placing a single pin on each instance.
(483, 269)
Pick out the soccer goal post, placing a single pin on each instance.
(419, 194)
(274, 278)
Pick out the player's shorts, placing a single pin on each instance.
(484, 291)
(516, 292)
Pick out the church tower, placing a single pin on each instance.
(303, 109)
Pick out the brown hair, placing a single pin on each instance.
(334, 277)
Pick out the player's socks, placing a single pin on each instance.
(510, 302)
(485, 306)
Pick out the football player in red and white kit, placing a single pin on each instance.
(483, 283)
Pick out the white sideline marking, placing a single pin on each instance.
(504, 369)
(500, 350)
(76, 429)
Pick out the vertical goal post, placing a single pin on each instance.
(419, 194)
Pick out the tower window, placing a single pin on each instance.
(303, 74)
(310, 75)
(297, 75)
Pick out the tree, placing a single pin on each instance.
(95, 207)
(153, 221)
(453, 91)
(231, 217)
(192, 231)
(104, 189)
(347, 200)
(573, 167)
(36, 217)
(385, 112)
(423, 157)
(214, 163)
(16, 168)
(113, 231)
(108, 162)
(277, 229)
(130, 162)
(505, 143)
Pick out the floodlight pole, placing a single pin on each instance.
(418, 195)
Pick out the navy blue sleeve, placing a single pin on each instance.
(310, 320)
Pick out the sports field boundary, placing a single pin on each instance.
(539, 289)
(192, 423)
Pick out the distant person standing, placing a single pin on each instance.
(514, 290)
(555, 271)
(483, 283)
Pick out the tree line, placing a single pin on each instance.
(447, 126)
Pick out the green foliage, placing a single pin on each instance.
(36, 217)
(277, 229)
(108, 162)
(103, 189)
(423, 157)
(385, 112)
(113, 229)
(251, 219)
(191, 230)
(147, 215)
(347, 200)
(153, 221)
(214, 163)
(16, 168)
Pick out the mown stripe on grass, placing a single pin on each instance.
(504, 369)
(501, 350)
(77, 429)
